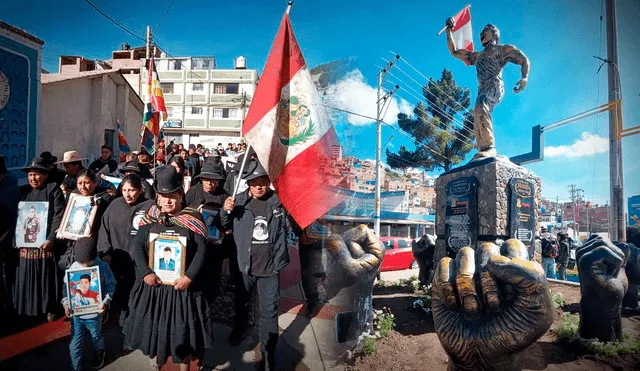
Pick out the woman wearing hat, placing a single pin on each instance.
(170, 320)
(38, 285)
(133, 167)
(118, 227)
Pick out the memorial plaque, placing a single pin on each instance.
(461, 218)
(522, 220)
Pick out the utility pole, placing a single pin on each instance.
(616, 216)
(148, 42)
(382, 102)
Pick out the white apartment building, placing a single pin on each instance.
(206, 105)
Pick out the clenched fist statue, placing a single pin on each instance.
(488, 308)
(603, 283)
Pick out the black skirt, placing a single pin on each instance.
(164, 322)
(38, 283)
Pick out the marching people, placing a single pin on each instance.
(72, 162)
(38, 285)
(119, 225)
(190, 168)
(86, 255)
(133, 167)
(259, 224)
(105, 159)
(178, 163)
(170, 319)
(87, 185)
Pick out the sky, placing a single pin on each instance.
(560, 38)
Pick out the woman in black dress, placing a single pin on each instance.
(38, 284)
(119, 227)
(170, 320)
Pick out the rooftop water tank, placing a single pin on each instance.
(241, 63)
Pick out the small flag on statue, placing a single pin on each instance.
(122, 144)
(291, 132)
(462, 33)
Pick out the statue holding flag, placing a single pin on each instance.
(489, 64)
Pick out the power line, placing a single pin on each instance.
(163, 17)
(115, 22)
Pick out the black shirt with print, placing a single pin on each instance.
(261, 259)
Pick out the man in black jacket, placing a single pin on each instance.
(105, 159)
(563, 255)
(259, 227)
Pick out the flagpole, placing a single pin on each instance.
(445, 27)
(289, 5)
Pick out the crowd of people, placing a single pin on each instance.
(132, 203)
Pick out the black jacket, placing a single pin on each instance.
(563, 252)
(100, 163)
(242, 220)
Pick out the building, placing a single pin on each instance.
(80, 112)
(20, 96)
(336, 152)
(206, 105)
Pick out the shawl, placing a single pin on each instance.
(185, 219)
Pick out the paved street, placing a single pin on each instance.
(398, 275)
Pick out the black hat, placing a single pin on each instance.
(85, 250)
(37, 163)
(168, 180)
(131, 166)
(212, 171)
(255, 171)
(48, 157)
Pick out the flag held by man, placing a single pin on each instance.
(461, 30)
(291, 131)
(123, 146)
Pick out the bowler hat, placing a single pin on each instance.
(131, 166)
(37, 163)
(212, 171)
(48, 157)
(71, 156)
(256, 170)
(168, 180)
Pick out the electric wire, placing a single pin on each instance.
(164, 16)
(115, 22)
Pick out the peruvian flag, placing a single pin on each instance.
(462, 34)
(291, 131)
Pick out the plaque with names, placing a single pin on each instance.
(461, 218)
(522, 220)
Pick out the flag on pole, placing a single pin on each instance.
(146, 140)
(122, 144)
(291, 132)
(155, 112)
(462, 33)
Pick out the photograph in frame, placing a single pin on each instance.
(167, 256)
(78, 218)
(210, 216)
(31, 225)
(84, 291)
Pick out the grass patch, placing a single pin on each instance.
(383, 322)
(369, 346)
(611, 349)
(558, 300)
(568, 326)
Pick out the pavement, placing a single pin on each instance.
(399, 275)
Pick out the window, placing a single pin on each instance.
(388, 244)
(167, 87)
(196, 110)
(226, 88)
(403, 244)
(177, 65)
(207, 63)
(109, 137)
(198, 86)
(226, 113)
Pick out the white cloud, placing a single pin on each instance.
(352, 93)
(588, 144)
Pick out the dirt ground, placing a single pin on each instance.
(414, 344)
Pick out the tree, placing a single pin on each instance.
(433, 126)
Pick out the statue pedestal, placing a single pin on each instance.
(485, 200)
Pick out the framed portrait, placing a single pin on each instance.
(83, 290)
(167, 256)
(211, 215)
(78, 217)
(187, 184)
(31, 226)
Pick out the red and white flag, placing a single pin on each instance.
(291, 131)
(462, 34)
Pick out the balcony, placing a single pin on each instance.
(172, 98)
(227, 100)
(197, 75)
(170, 75)
(225, 124)
(233, 75)
(195, 98)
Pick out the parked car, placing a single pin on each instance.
(398, 255)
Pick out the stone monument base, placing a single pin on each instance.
(493, 194)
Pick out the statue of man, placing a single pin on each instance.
(489, 64)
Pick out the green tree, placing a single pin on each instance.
(432, 126)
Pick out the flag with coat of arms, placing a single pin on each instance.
(291, 132)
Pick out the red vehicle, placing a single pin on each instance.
(398, 255)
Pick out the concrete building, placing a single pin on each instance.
(80, 112)
(20, 96)
(206, 105)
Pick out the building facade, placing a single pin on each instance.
(205, 105)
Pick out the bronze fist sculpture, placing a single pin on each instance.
(488, 308)
(603, 283)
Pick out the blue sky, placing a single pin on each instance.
(560, 38)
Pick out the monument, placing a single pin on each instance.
(503, 199)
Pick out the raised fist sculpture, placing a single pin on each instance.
(423, 251)
(632, 269)
(488, 308)
(603, 283)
